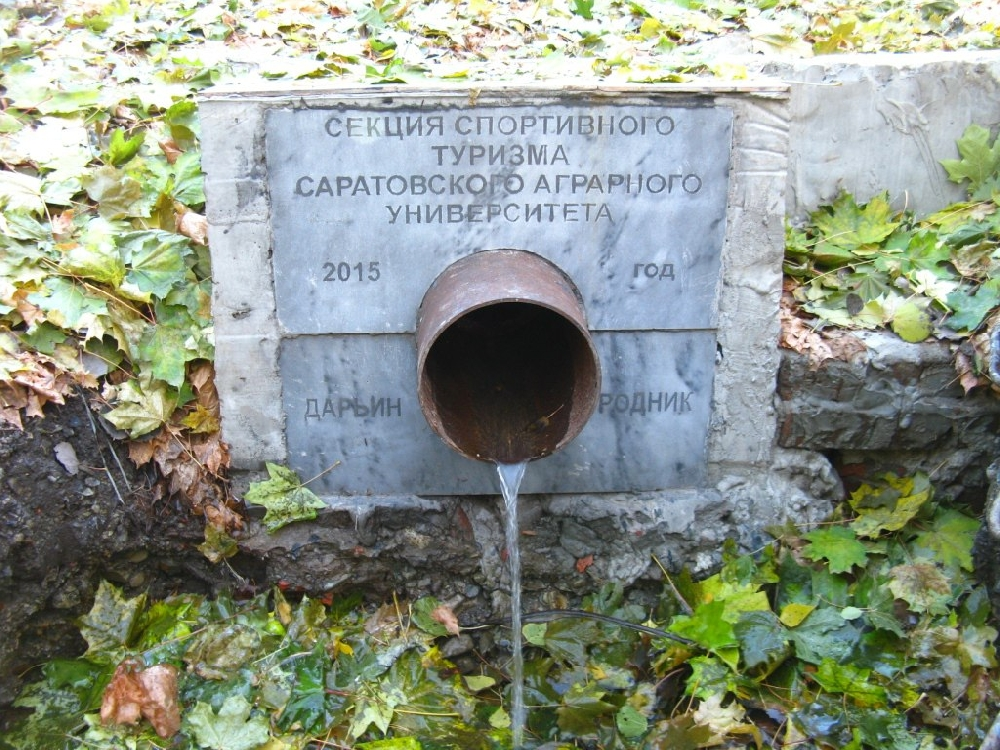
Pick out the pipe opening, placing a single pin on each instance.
(503, 380)
(504, 376)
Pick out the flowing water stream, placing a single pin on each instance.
(510, 482)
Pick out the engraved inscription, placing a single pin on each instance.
(629, 200)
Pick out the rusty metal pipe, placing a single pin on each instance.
(506, 368)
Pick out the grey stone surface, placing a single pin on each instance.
(894, 406)
(868, 123)
(353, 399)
(629, 200)
(742, 302)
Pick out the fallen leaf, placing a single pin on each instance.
(967, 376)
(194, 226)
(446, 617)
(150, 693)
(160, 705)
(122, 699)
(62, 224)
(797, 335)
(170, 150)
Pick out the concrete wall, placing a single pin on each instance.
(868, 123)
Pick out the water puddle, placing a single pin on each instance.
(510, 481)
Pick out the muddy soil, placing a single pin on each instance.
(74, 511)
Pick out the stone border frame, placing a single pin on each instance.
(248, 334)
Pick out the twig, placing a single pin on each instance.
(327, 470)
(114, 454)
(677, 594)
(548, 615)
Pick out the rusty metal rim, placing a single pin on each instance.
(494, 277)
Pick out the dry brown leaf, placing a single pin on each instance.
(46, 384)
(211, 453)
(844, 345)
(171, 150)
(446, 617)
(141, 452)
(62, 224)
(122, 699)
(160, 705)
(194, 226)
(800, 337)
(223, 518)
(202, 376)
(966, 369)
(135, 692)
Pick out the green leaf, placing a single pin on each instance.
(949, 540)
(890, 504)
(845, 224)
(108, 626)
(970, 308)
(630, 722)
(852, 681)
(114, 191)
(568, 639)
(55, 715)
(980, 161)
(219, 651)
(911, 322)
(583, 706)
(307, 707)
(120, 149)
(20, 192)
(44, 338)
(164, 351)
(285, 498)
(583, 8)
(680, 733)
(422, 618)
(376, 711)
(794, 613)
(99, 261)
(182, 180)
(68, 304)
(706, 627)
(232, 728)
(392, 743)
(824, 634)
(837, 544)
(478, 682)
(534, 633)
(763, 640)
(157, 261)
(144, 405)
(218, 545)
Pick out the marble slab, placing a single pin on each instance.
(352, 399)
(369, 203)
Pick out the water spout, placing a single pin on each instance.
(510, 481)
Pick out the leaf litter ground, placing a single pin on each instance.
(866, 632)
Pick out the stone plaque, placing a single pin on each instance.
(368, 201)
(352, 399)
(369, 204)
